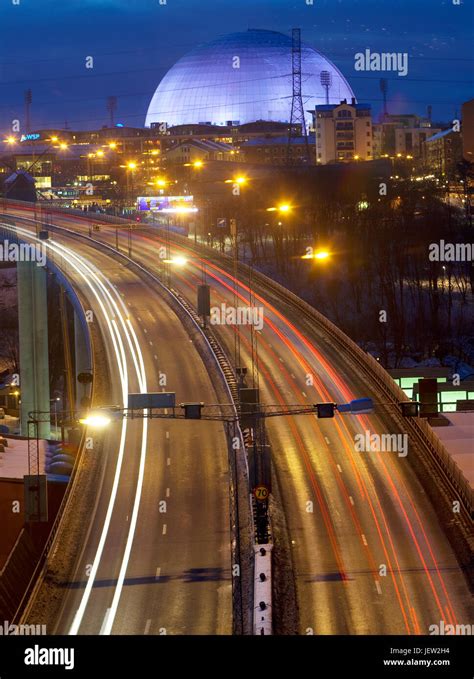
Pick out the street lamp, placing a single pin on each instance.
(96, 420)
(320, 255)
(55, 401)
(237, 180)
(283, 208)
(130, 166)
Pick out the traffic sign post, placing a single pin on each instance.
(261, 493)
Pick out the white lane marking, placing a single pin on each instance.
(155, 357)
(139, 318)
(107, 629)
(293, 376)
(168, 461)
(167, 434)
(122, 367)
(303, 394)
(351, 500)
(364, 539)
(145, 331)
(158, 573)
(167, 492)
(280, 359)
(147, 626)
(327, 440)
(104, 623)
(339, 467)
(164, 529)
(126, 518)
(377, 586)
(150, 342)
(141, 374)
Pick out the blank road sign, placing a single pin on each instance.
(158, 399)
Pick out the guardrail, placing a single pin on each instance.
(418, 427)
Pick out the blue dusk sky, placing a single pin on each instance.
(44, 44)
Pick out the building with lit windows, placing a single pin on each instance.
(443, 151)
(343, 132)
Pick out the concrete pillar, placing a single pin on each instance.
(33, 331)
(82, 361)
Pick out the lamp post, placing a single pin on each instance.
(131, 166)
(282, 210)
(55, 401)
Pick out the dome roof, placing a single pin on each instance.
(242, 77)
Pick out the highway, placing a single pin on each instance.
(143, 570)
(369, 556)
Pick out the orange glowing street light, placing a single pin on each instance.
(283, 208)
(10, 140)
(237, 180)
(96, 420)
(131, 165)
(319, 255)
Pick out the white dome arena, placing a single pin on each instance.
(205, 86)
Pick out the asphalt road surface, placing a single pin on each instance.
(368, 553)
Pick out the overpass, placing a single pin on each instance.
(362, 542)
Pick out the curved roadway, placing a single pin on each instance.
(368, 553)
(157, 556)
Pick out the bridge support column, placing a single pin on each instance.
(33, 332)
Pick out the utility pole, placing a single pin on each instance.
(111, 108)
(297, 110)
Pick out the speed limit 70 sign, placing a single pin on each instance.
(261, 493)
